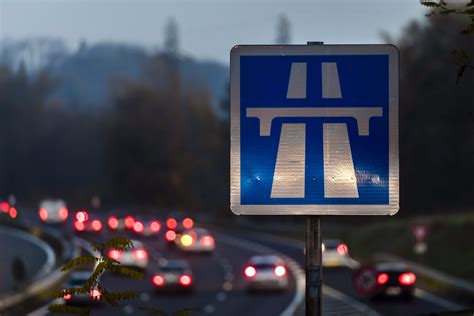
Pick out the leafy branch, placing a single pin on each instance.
(460, 57)
(102, 264)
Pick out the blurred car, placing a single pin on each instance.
(77, 280)
(135, 257)
(394, 280)
(335, 253)
(146, 225)
(53, 211)
(196, 240)
(178, 222)
(173, 275)
(266, 273)
(91, 224)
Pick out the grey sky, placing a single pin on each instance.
(208, 28)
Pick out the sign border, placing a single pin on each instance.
(313, 50)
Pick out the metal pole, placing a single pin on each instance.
(313, 260)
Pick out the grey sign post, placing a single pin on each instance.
(314, 131)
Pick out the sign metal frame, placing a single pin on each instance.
(314, 50)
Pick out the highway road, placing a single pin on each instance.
(220, 288)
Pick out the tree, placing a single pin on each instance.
(283, 30)
(171, 42)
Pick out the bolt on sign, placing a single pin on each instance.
(314, 130)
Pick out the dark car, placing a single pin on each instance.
(173, 275)
(394, 280)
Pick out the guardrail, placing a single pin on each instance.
(44, 282)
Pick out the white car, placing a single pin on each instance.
(335, 253)
(266, 273)
(196, 240)
(76, 280)
(136, 257)
(173, 275)
(53, 211)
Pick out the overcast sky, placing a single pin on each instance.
(208, 28)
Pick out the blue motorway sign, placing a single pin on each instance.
(314, 130)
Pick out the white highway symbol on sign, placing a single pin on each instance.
(314, 130)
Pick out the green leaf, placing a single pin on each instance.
(430, 4)
(131, 273)
(71, 310)
(80, 261)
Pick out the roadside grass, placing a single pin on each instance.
(450, 242)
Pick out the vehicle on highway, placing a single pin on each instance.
(335, 253)
(146, 226)
(53, 211)
(77, 280)
(91, 225)
(179, 221)
(173, 275)
(394, 280)
(135, 257)
(266, 273)
(196, 240)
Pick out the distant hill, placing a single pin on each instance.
(84, 76)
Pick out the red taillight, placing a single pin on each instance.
(129, 221)
(63, 213)
(342, 249)
(158, 280)
(138, 227)
(207, 241)
(185, 280)
(80, 226)
(188, 223)
(140, 254)
(43, 214)
(67, 297)
(250, 272)
(407, 278)
(280, 271)
(13, 212)
(95, 294)
(155, 226)
(96, 225)
(82, 216)
(113, 222)
(5, 207)
(115, 254)
(170, 235)
(171, 223)
(382, 278)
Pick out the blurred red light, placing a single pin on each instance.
(155, 226)
(207, 241)
(63, 213)
(96, 225)
(170, 235)
(82, 216)
(407, 278)
(79, 226)
(115, 254)
(113, 222)
(5, 207)
(67, 297)
(185, 280)
(342, 249)
(280, 271)
(43, 214)
(129, 221)
(382, 278)
(13, 212)
(138, 227)
(250, 272)
(95, 294)
(188, 223)
(140, 254)
(158, 280)
(171, 223)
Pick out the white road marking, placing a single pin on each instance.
(436, 300)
